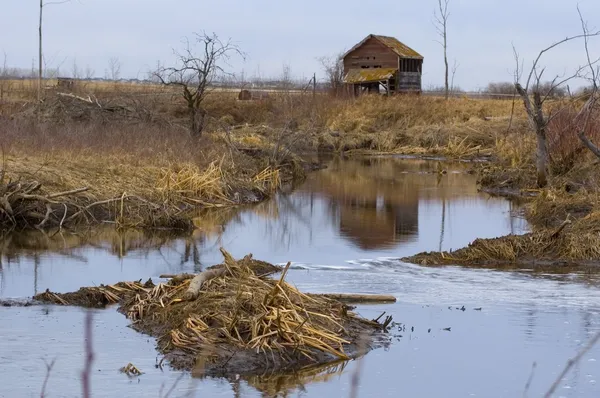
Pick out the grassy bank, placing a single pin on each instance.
(564, 216)
(114, 155)
(54, 175)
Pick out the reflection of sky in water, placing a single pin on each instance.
(341, 229)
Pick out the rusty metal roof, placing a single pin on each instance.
(368, 75)
(392, 43)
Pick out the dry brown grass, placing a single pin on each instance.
(566, 231)
(370, 114)
(164, 168)
(577, 245)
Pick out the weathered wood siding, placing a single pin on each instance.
(371, 54)
(409, 81)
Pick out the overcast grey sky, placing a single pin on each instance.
(274, 33)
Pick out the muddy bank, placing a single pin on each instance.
(239, 322)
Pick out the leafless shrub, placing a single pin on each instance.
(114, 69)
(564, 145)
(502, 88)
(195, 72)
(333, 66)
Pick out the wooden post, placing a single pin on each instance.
(314, 85)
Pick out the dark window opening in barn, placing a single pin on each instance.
(365, 67)
(410, 65)
(377, 66)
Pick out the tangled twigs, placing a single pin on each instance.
(25, 205)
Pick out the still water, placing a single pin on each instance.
(343, 229)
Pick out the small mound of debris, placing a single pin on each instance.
(233, 319)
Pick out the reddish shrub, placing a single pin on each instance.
(564, 145)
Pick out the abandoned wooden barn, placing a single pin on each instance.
(382, 63)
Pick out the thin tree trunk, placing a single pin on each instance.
(535, 113)
(447, 86)
(39, 83)
(542, 145)
(196, 121)
(542, 158)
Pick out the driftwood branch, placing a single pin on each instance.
(67, 193)
(46, 217)
(199, 280)
(100, 202)
(561, 227)
(361, 298)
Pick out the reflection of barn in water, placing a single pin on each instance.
(370, 204)
(371, 225)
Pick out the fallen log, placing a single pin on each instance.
(361, 298)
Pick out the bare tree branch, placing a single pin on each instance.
(534, 67)
(541, 92)
(588, 108)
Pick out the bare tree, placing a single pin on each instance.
(75, 72)
(195, 72)
(454, 70)
(541, 93)
(333, 66)
(441, 15)
(4, 72)
(40, 47)
(594, 75)
(286, 81)
(114, 69)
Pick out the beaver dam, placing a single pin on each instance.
(234, 319)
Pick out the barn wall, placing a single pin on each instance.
(372, 53)
(409, 81)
